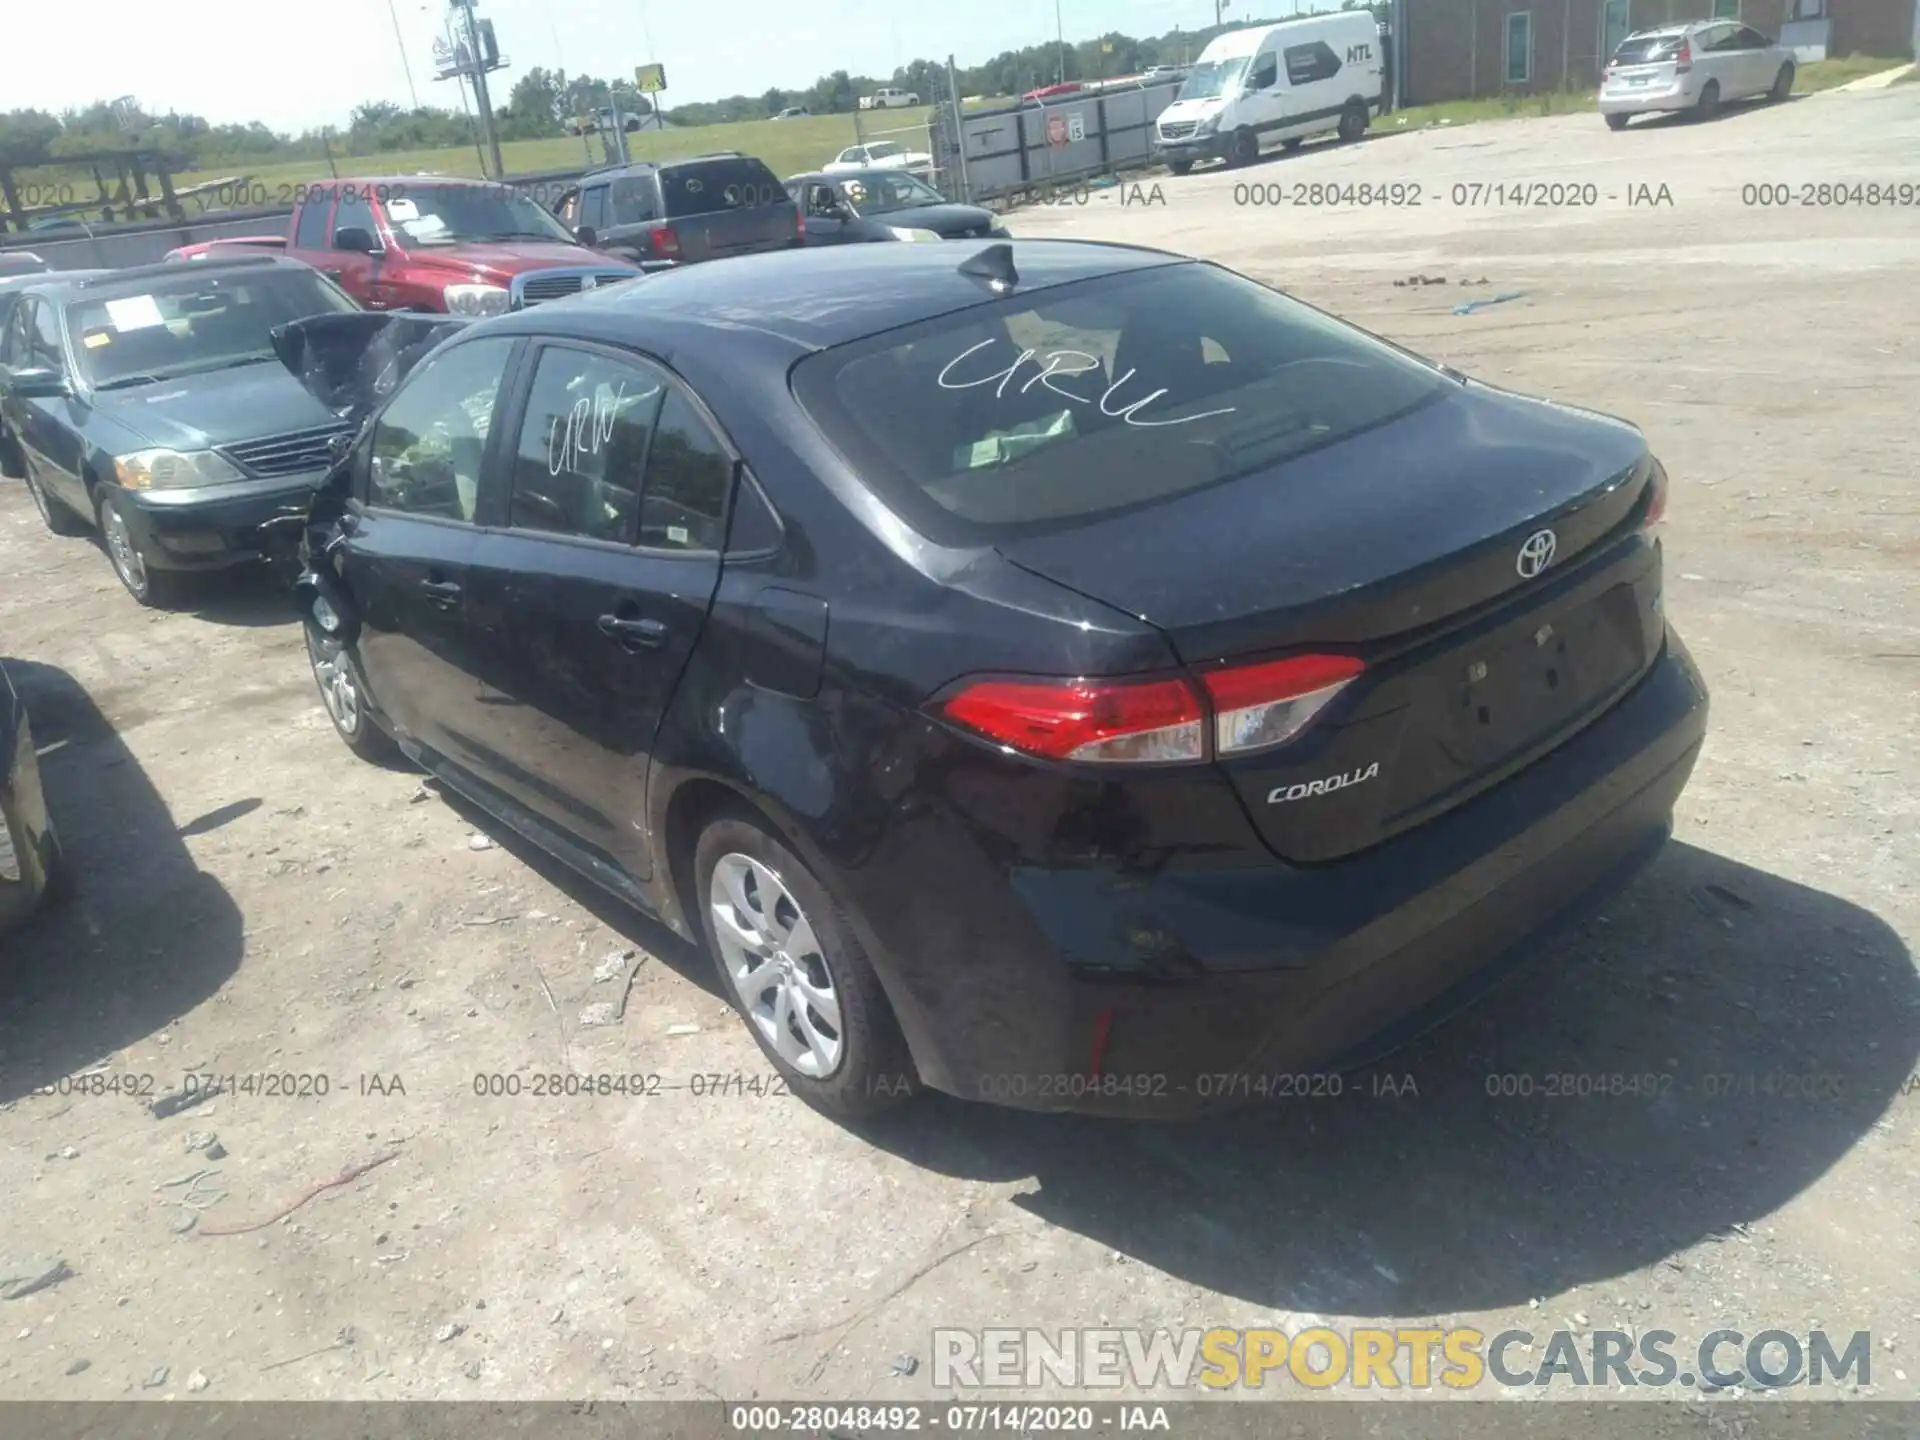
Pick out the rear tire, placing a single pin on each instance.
(13, 465)
(793, 969)
(1782, 85)
(1180, 167)
(1708, 105)
(1618, 122)
(1246, 148)
(1353, 121)
(343, 690)
(1292, 145)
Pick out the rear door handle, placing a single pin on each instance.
(634, 634)
(444, 593)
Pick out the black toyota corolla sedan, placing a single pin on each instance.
(149, 403)
(1061, 674)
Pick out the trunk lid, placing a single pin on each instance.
(1401, 545)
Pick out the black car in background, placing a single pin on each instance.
(29, 850)
(676, 212)
(1061, 674)
(863, 205)
(149, 403)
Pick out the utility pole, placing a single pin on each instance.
(481, 99)
(1060, 34)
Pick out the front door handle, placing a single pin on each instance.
(634, 634)
(444, 593)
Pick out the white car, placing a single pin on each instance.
(881, 155)
(888, 98)
(1696, 67)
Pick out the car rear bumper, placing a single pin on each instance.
(1681, 94)
(1276, 971)
(213, 527)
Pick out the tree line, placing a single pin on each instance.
(542, 103)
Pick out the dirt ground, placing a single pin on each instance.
(253, 900)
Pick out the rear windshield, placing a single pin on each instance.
(1043, 411)
(1647, 49)
(715, 185)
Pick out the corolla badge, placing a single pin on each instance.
(1536, 553)
(1281, 794)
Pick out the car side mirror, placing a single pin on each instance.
(38, 383)
(839, 211)
(587, 236)
(356, 238)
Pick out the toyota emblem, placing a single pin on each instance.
(1536, 553)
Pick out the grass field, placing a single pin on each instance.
(790, 146)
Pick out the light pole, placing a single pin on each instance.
(394, 15)
(1060, 34)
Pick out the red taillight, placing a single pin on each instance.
(799, 224)
(666, 244)
(1259, 706)
(1683, 58)
(1137, 721)
(1154, 722)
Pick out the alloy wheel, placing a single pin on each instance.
(774, 962)
(125, 555)
(338, 688)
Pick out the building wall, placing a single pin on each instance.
(1458, 48)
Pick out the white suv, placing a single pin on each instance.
(1694, 67)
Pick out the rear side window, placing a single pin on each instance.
(1042, 411)
(593, 207)
(312, 231)
(632, 201)
(1647, 49)
(688, 474)
(583, 445)
(716, 185)
(1308, 63)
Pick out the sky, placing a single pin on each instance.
(295, 67)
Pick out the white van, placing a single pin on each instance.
(1273, 85)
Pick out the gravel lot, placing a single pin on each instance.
(251, 899)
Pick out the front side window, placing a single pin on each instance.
(44, 346)
(203, 320)
(1042, 411)
(1519, 48)
(583, 445)
(428, 443)
(353, 213)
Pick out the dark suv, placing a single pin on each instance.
(674, 212)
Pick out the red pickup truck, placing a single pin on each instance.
(462, 247)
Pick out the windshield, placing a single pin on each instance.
(1213, 78)
(718, 185)
(884, 149)
(878, 194)
(450, 214)
(1042, 411)
(197, 323)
